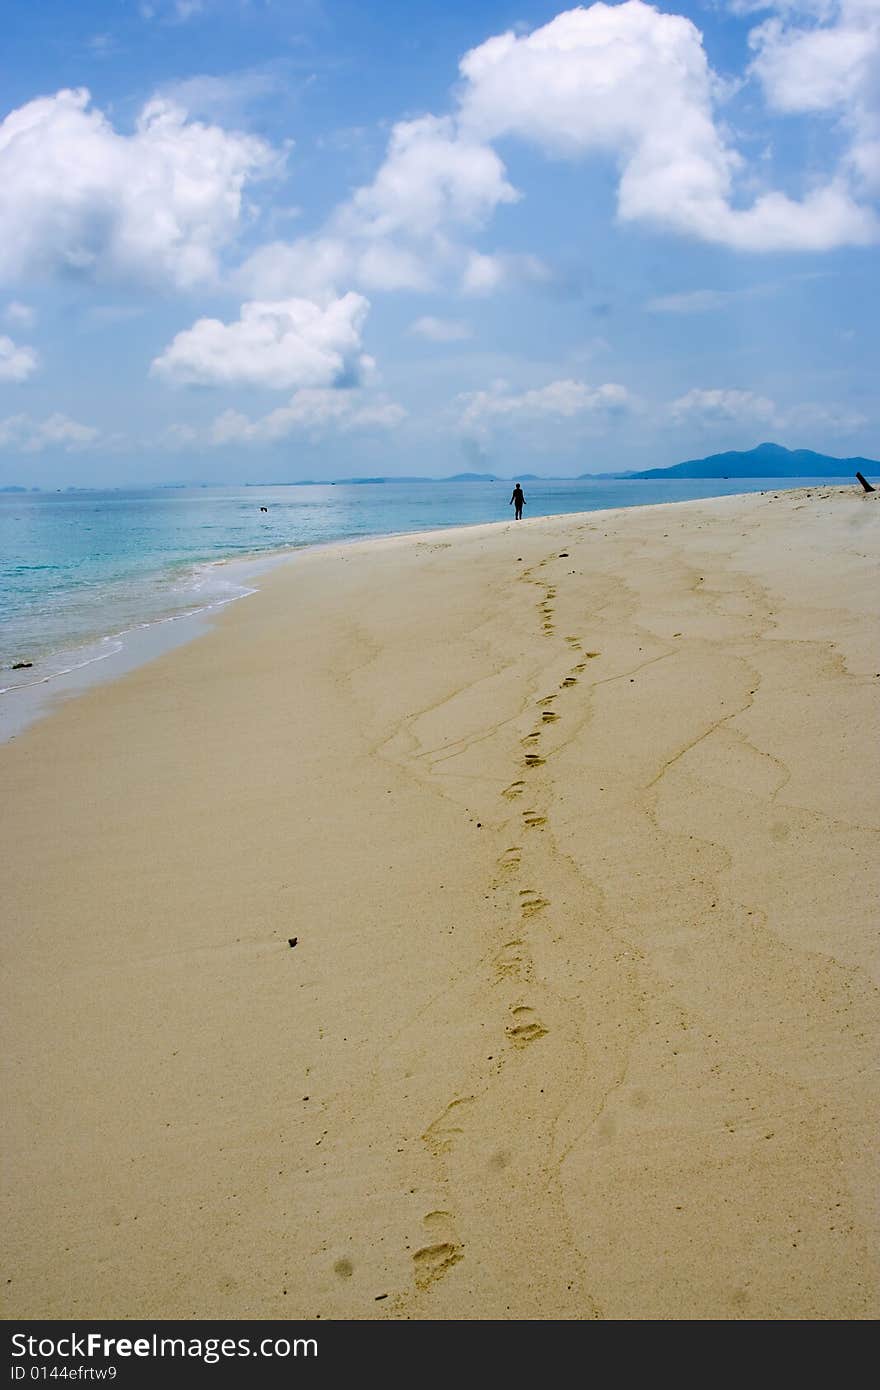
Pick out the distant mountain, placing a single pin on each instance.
(766, 461)
(471, 478)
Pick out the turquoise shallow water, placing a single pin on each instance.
(81, 572)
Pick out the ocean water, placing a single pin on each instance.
(104, 579)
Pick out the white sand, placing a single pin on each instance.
(588, 1037)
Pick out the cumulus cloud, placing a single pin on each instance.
(441, 330)
(402, 229)
(29, 436)
(312, 412)
(79, 198)
(560, 400)
(483, 274)
(433, 177)
(719, 405)
(825, 58)
(622, 82)
(16, 363)
(630, 83)
(281, 344)
(731, 406)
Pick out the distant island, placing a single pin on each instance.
(765, 461)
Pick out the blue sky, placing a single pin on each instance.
(270, 239)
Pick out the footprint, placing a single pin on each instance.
(442, 1133)
(547, 700)
(510, 858)
(548, 717)
(532, 760)
(592, 654)
(573, 641)
(532, 737)
(509, 960)
(531, 819)
(533, 904)
(581, 666)
(515, 789)
(570, 680)
(433, 1261)
(525, 1027)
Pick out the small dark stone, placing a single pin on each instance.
(563, 555)
(21, 665)
(292, 940)
(379, 1297)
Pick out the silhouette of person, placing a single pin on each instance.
(517, 501)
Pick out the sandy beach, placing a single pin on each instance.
(574, 823)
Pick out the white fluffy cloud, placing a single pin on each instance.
(727, 407)
(399, 231)
(561, 400)
(441, 330)
(827, 66)
(628, 82)
(29, 436)
(78, 197)
(433, 178)
(281, 344)
(723, 406)
(16, 363)
(622, 82)
(310, 412)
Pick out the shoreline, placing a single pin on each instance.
(33, 698)
(571, 823)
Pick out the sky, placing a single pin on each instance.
(270, 240)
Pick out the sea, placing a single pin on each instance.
(94, 583)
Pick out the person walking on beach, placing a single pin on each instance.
(517, 501)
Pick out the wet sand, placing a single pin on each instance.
(575, 825)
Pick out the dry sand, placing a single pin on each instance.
(575, 823)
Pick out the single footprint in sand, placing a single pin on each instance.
(548, 717)
(581, 666)
(510, 858)
(442, 1133)
(509, 960)
(547, 700)
(434, 1260)
(524, 1027)
(532, 737)
(592, 654)
(532, 760)
(531, 818)
(515, 789)
(532, 903)
(573, 641)
(570, 680)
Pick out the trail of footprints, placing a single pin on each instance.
(512, 966)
